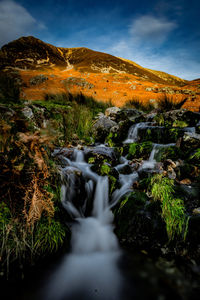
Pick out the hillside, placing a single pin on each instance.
(44, 68)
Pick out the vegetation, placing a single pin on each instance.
(9, 89)
(140, 149)
(166, 102)
(173, 210)
(73, 114)
(137, 104)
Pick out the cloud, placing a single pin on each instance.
(15, 21)
(151, 29)
(175, 61)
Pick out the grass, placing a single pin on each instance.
(166, 103)
(77, 113)
(80, 99)
(137, 104)
(173, 210)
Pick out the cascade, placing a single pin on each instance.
(90, 271)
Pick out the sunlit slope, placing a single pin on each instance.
(45, 68)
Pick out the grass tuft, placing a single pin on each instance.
(173, 210)
(166, 103)
(137, 104)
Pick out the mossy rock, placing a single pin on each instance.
(140, 150)
(138, 222)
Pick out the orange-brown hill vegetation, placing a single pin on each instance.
(45, 68)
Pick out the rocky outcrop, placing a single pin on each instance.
(38, 79)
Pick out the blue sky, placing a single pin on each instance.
(162, 35)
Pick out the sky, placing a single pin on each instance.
(161, 35)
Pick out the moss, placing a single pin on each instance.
(179, 123)
(105, 169)
(173, 134)
(113, 182)
(173, 210)
(111, 139)
(91, 160)
(140, 150)
(171, 152)
(159, 118)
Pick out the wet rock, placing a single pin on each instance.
(74, 181)
(131, 113)
(102, 127)
(191, 118)
(38, 79)
(27, 112)
(190, 139)
(106, 152)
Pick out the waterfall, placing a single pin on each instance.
(90, 271)
(133, 132)
(151, 162)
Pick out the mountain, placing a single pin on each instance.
(97, 74)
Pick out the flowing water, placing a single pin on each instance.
(150, 164)
(91, 270)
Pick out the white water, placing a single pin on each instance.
(90, 271)
(151, 162)
(133, 132)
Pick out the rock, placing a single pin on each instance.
(191, 118)
(171, 173)
(111, 112)
(196, 211)
(102, 127)
(150, 89)
(185, 181)
(107, 152)
(81, 82)
(192, 137)
(75, 181)
(133, 87)
(115, 129)
(38, 79)
(27, 112)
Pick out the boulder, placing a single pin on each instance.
(102, 127)
(191, 139)
(111, 112)
(106, 152)
(191, 118)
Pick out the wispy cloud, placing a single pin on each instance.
(173, 61)
(15, 21)
(151, 29)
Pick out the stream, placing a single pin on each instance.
(96, 267)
